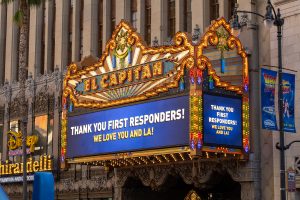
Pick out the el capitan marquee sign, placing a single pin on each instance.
(135, 77)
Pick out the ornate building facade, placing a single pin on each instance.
(76, 31)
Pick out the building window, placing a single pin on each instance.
(148, 21)
(50, 135)
(113, 15)
(43, 128)
(40, 130)
(171, 18)
(214, 9)
(187, 16)
(81, 29)
(100, 27)
(133, 13)
(71, 8)
(231, 5)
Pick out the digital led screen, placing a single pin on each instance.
(151, 125)
(222, 121)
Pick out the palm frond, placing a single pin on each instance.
(6, 1)
(35, 2)
(18, 17)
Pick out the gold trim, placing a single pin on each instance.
(210, 38)
(193, 58)
(153, 152)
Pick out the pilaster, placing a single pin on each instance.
(90, 18)
(12, 32)
(140, 25)
(76, 37)
(58, 79)
(7, 93)
(179, 14)
(159, 13)
(2, 41)
(49, 37)
(223, 9)
(123, 10)
(106, 22)
(35, 40)
(61, 34)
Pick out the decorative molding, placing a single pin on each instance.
(196, 173)
(58, 79)
(2, 114)
(30, 86)
(43, 101)
(69, 185)
(196, 34)
(7, 91)
(282, 2)
(41, 79)
(51, 103)
(15, 107)
(6, 115)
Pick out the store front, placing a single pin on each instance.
(168, 122)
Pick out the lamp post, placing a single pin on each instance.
(269, 21)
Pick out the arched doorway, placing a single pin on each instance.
(173, 188)
(219, 186)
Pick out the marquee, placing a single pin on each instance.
(173, 102)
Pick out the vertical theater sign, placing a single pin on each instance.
(141, 105)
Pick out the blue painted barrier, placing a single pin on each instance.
(43, 186)
(3, 195)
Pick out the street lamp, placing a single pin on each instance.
(269, 21)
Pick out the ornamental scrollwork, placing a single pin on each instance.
(30, 86)
(15, 107)
(2, 113)
(44, 102)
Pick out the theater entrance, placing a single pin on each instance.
(220, 186)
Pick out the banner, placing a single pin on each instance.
(288, 90)
(151, 125)
(268, 115)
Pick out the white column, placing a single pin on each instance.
(140, 23)
(11, 55)
(48, 62)
(179, 15)
(2, 41)
(200, 14)
(61, 33)
(223, 9)
(76, 31)
(123, 10)
(5, 130)
(90, 27)
(35, 39)
(106, 22)
(159, 21)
